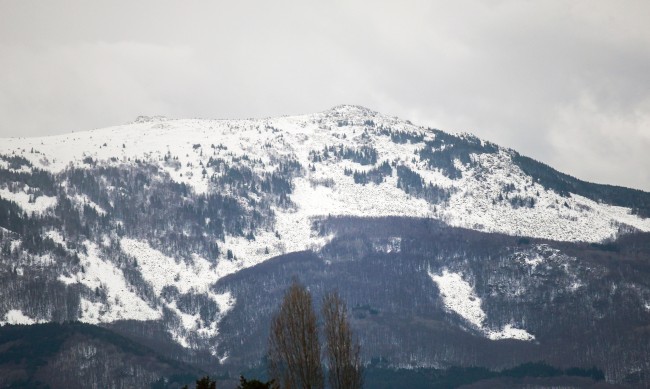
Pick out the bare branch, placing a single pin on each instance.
(294, 351)
(343, 354)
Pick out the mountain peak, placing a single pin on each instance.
(351, 109)
(150, 119)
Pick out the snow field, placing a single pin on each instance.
(197, 277)
(39, 206)
(122, 303)
(580, 219)
(458, 296)
(471, 206)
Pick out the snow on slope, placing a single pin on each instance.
(16, 316)
(324, 189)
(554, 217)
(100, 275)
(294, 226)
(471, 205)
(160, 270)
(459, 297)
(83, 200)
(39, 205)
(197, 277)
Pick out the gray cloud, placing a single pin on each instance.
(562, 82)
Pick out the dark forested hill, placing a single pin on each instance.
(77, 355)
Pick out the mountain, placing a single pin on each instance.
(182, 235)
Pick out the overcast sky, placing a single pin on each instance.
(565, 82)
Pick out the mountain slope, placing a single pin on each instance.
(426, 295)
(145, 228)
(472, 182)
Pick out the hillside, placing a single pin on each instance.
(451, 250)
(75, 355)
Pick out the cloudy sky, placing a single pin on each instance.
(565, 82)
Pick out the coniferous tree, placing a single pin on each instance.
(253, 384)
(204, 383)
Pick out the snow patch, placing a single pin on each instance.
(92, 312)
(23, 168)
(56, 237)
(390, 245)
(197, 277)
(28, 202)
(160, 270)
(122, 301)
(82, 200)
(534, 261)
(458, 296)
(510, 332)
(16, 316)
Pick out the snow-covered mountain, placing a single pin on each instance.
(475, 184)
(158, 220)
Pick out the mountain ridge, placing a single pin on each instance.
(293, 130)
(183, 232)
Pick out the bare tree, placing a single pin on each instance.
(343, 354)
(294, 351)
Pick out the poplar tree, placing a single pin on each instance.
(342, 352)
(294, 350)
